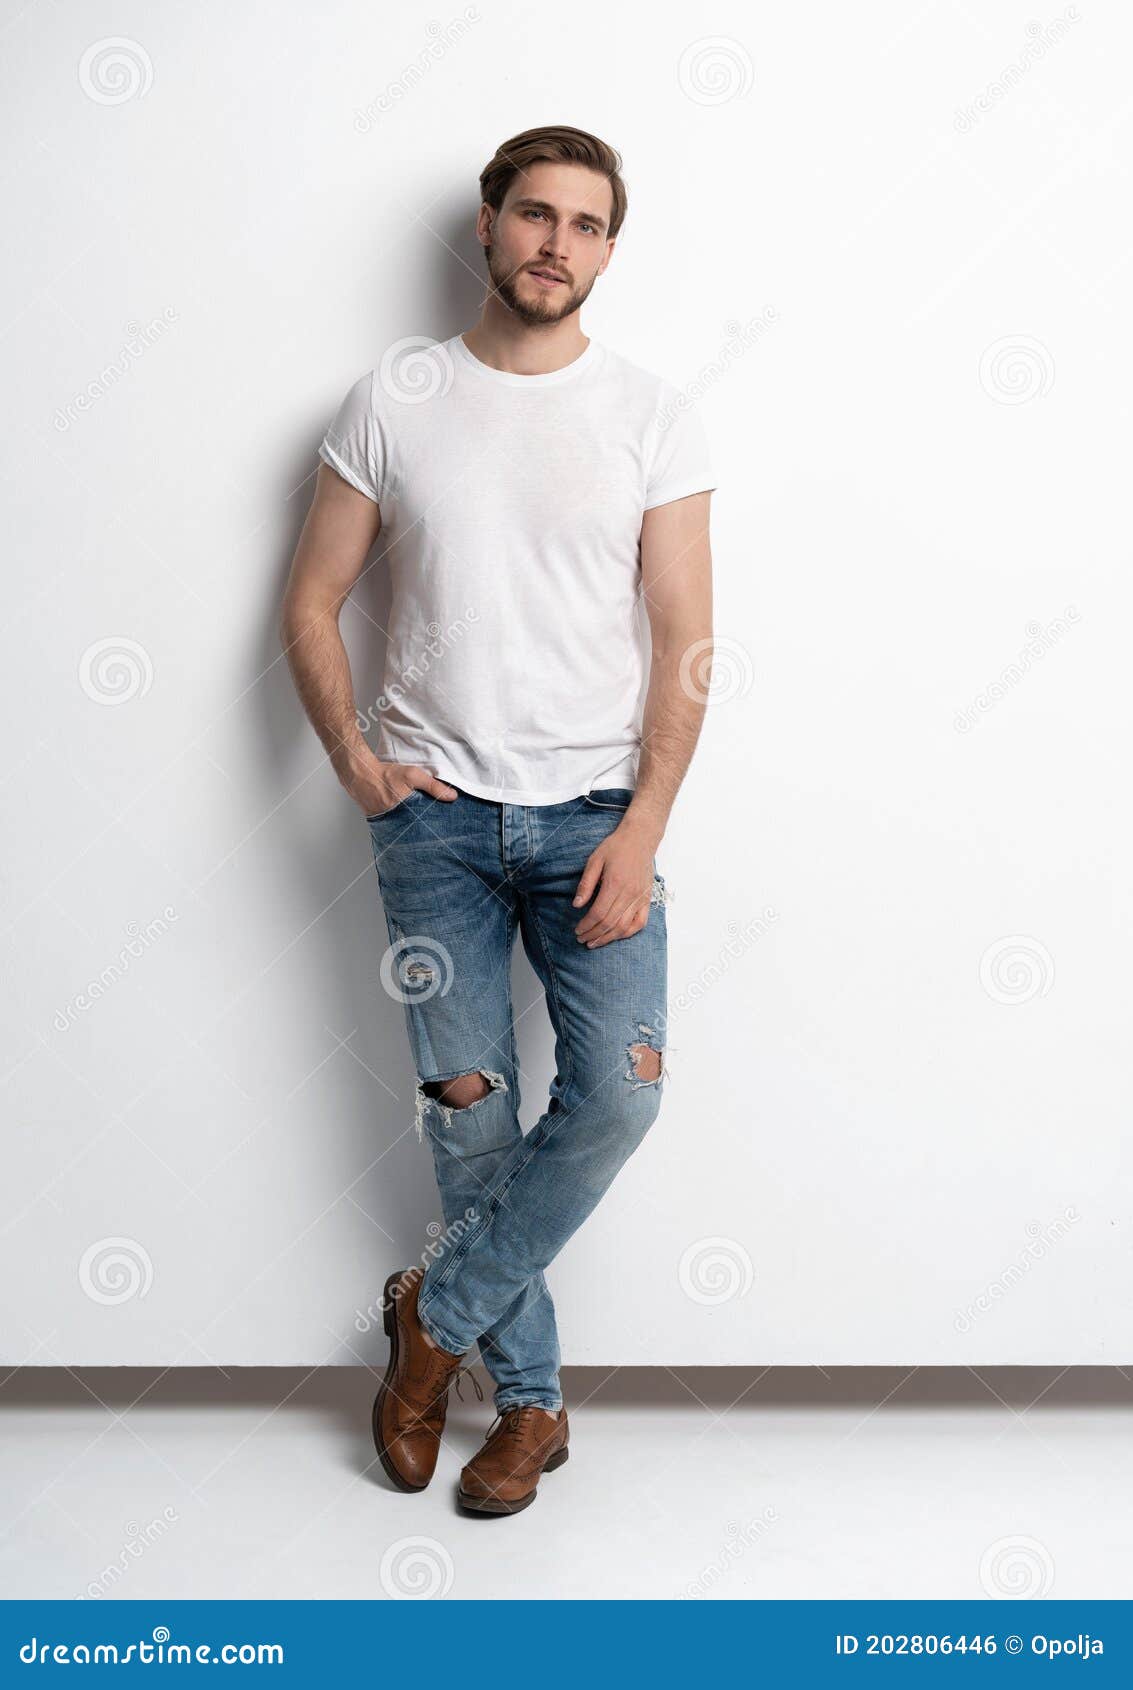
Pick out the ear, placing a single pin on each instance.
(610, 245)
(484, 220)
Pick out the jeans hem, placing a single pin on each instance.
(504, 1402)
(438, 1333)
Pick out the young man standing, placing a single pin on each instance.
(534, 485)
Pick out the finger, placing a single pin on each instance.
(622, 925)
(598, 916)
(600, 921)
(591, 875)
(613, 910)
(425, 781)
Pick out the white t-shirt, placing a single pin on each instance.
(512, 508)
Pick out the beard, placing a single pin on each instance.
(549, 309)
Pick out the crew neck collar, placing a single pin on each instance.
(510, 378)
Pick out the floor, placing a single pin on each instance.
(701, 1483)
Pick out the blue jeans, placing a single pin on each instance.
(457, 877)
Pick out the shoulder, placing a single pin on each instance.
(635, 377)
(406, 373)
(357, 401)
(411, 371)
(649, 398)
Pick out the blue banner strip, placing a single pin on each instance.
(590, 1643)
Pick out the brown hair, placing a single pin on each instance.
(561, 144)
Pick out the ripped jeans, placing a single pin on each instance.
(457, 877)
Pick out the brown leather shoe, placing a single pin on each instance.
(412, 1400)
(504, 1476)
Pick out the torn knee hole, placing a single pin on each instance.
(459, 1093)
(646, 1063)
(463, 1091)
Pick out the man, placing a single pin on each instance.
(533, 486)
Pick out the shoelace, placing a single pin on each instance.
(509, 1421)
(457, 1378)
(428, 1408)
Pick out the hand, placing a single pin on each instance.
(382, 785)
(623, 864)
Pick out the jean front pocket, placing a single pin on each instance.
(394, 808)
(609, 797)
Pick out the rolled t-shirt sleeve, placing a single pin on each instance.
(680, 460)
(354, 445)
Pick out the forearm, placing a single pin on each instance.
(320, 667)
(671, 724)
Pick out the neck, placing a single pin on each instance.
(524, 349)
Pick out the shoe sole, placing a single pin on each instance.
(497, 1505)
(389, 1322)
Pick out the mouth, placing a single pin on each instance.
(547, 278)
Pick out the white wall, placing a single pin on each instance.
(910, 1088)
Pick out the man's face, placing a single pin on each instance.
(549, 242)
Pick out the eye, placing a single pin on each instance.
(590, 228)
(531, 212)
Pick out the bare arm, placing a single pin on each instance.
(342, 525)
(676, 580)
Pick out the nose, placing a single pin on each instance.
(555, 246)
